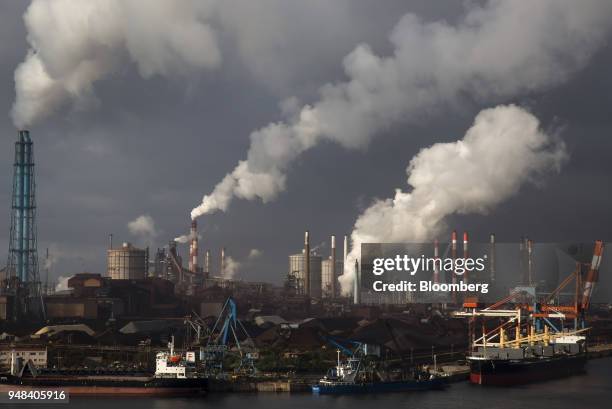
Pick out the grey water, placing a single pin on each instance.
(591, 390)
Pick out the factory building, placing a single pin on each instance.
(297, 270)
(327, 277)
(92, 296)
(168, 263)
(127, 263)
(36, 354)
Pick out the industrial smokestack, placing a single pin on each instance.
(357, 289)
(592, 275)
(454, 258)
(530, 277)
(454, 252)
(222, 262)
(522, 262)
(436, 274)
(492, 257)
(466, 254)
(193, 247)
(307, 263)
(334, 279)
(345, 255)
(207, 262)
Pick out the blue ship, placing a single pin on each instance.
(377, 387)
(355, 376)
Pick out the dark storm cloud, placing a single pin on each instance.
(154, 146)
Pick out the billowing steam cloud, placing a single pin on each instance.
(73, 44)
(53, 255)
(144, 227)
(62, 284)
(502, 150)
(497, 50)
(185, 238)
(230, 267)
(254, 254)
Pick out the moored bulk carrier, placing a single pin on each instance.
(175, 375)
(537, 340)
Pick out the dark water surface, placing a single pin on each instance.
(592, 390)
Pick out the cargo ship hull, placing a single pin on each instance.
(119, 386)
(502, 372)
(378, 387)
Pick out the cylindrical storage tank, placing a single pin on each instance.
(326, 277)
(297, 267)
(127, 263)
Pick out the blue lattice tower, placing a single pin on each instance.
(22, 266)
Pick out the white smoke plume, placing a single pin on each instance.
(254, 254)
(54, 256)
(504, 149)
(73, 44)
(144, 227)
(230, 267)
(185, 238)
(62, 284)
(496, 50)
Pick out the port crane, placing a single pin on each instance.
(226, 331)
(196, 324)
(337, 343)
(539, 321)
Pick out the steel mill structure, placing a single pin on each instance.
(22, 279)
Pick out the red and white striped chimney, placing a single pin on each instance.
(593, 274)
(193, 248)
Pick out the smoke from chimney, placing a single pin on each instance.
(144, 227)
(503, 149)
(73, 44)
(432, 64)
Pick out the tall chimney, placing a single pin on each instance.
(357, 285)
(522, 261)
(492, 257)
(222, 262)
(466, 255)
(344, 265)
(193, 248)
(592, 275)
(436, 275)
(454, 258)
(530, 262)
(334, 278)
(306, 263)
(207, 262)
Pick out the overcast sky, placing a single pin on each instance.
(154, 146)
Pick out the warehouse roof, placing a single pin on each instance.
(52, 330)
(151, 326)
